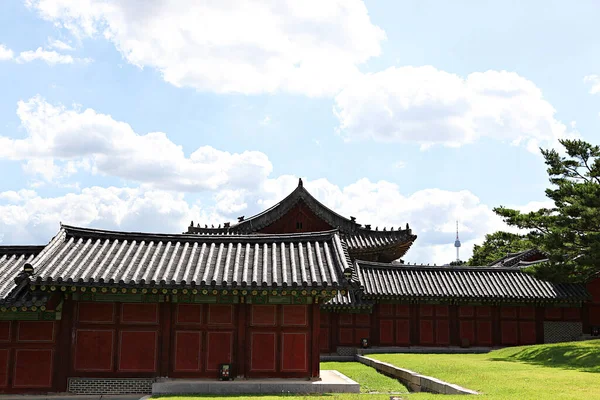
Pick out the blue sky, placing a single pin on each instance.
(424, 112)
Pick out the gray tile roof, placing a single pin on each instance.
(360, 239)
(12, 260)
(519, 259)
(350, 300)
(86, 256)
(464, 283)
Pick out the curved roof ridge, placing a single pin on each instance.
(93, 232)
(278, 210)
(375, 264)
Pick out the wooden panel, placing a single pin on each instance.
(594, 315)
(325, 318)
(441, 311)
(35, 331)
(220, 314)
(467, 331)
(138, 351)
(263, 348)
(294, 352)
(188, 348)
(508, 332)
(263, 315)
(3, 367)
(295, 316)
(386, 331)
(33, 368)
(189, 313)
(385, 309)
(4, 331)
(219, 349)
(402, 332)
(346, 336)
(466, 311)
(508, 312)
(96, 312)
(426, 310)
(139, 313)
(402, 310)
(362, 319)
(527, 332)
(345, 319)
(593, 287)
(553, 313)
(526, 313)
(94, 350)
(426, 331)
(484, 332)
(442, 332)
(483, 311)
(360, 333)
(572, 314)
(324, 340)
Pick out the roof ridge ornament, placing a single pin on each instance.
(300, 184)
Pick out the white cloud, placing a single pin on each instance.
(428, 106)
(26, 217)
(399, 164)
(5, 53)
(59, 45)
(266, 120)
(311, 47)
(594, 81)
(32, 219)
(50, 57)
(62, 141)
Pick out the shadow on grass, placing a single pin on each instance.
(585, 358)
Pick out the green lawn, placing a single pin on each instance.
(557, 371)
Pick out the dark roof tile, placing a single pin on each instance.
(86, 256)
(470, 283)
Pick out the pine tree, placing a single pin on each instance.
(569, 232)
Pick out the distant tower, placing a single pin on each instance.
(457, 243)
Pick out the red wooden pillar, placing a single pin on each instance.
(374, 335)
(454, 325)
(496, 333)
(242, 327)
(63, 347)
(414, 324)
(316, 323)
(335, 331)
(539, 324)
(166, 326)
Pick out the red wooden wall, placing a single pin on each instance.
(593, 308)
(394, 322)
(203, 337)
(115, 339)
(517, 325)
(279, 341)
(300, 218)
(27, 355)
(475, 325)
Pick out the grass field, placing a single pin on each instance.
(557, 371)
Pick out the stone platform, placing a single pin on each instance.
(330, 382)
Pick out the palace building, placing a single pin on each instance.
(101, 312)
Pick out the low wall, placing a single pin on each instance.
(414, 381)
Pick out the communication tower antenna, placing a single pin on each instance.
(457, 243)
